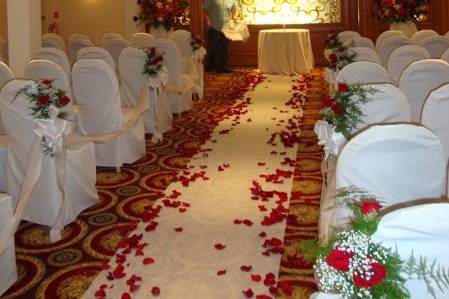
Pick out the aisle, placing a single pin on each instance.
(199, 246)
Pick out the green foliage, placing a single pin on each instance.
(153, 62)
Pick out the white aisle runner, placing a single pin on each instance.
(186, 262)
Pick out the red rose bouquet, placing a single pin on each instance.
(401, 11)
(153, 63)
(157, 13)
(337, 54)
(342, 108)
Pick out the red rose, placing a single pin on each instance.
(328, 101)
(47, 82)
(368, 207)
(379, 274)
(343, 87)
(403, 12)
(337, 108)
(44, 100)
(339, 260)
(64, 100)
(333, 58)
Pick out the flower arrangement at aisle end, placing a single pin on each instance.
(197, 45)
(401, 11)
(337, 55)
(352, 265)
(161, 13)
(47, 104)
(154, 68)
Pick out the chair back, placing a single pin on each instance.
(436, 45)
(360, 41)
(172, 59)
(401, 57)
(445, 56)
(115, 46)
(75, 44)
(419, 79)
(5, 74)
(54, 41)
(387, 34)
(77, 35)
(182, 39)
(389, 44)
(55, 55)
(421, 230)
(3, 50)
(97, 53)
(109, 35)
(141, 39)
(419, 36)
(363, 72)
(130, 65)
(348, 34)
(366, 54)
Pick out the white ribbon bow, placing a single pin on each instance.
(332, 141)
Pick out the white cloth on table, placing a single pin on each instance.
(389, 44)
(55, 55)
(108, 36)
(359, 41)
(159, 118)
(48, 205)
(115, 46)
(97, 91)
(343, 36)
(419, 79)
(363, 72)
(387, 34)
(285, 51)
(97, 53)
(54, 41)
(8, 258)
(436, 45)
(401, 57)
(423, 231)
(366, 54)
(419, 36)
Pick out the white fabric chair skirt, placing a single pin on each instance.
(8, 258)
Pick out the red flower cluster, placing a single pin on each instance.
(158, 13)
(370, 206)
(394, 11)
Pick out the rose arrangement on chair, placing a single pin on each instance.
(160, 13)
(337, 54)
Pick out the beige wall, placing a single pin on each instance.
(91, 17)
(3, 20)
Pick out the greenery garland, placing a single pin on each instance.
(153, 63)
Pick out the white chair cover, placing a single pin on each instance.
(3, 50)
(366, 54)
(141, 39)
(401, 57)
(54, 41)
(345, 35)
(109, 35)
(445, 56)
(389, 44)
(46, 200)
(173, 62)
(363, 72)
(436, 45)
(97, 53)
(8, 258)
(55, 55)
(421, 77)
(387, 34)
(77, 35)
(97, 92)
(5, 74)
(360, 41)
(423, 231)
(115, 46)
(421, 35)
(397, 163)
(76, 44)
(158, 119)
(183, 39)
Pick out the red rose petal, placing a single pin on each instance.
(256, 277)
(126, 296)
(263, 234)
(248, 293)
(155, 291)
(221, 272)
(245, 268)
(179, 229)
(147, 261)
(219, 246)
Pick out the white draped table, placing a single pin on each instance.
(285, 51)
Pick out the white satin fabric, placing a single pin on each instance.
(346, 35)
(141, 39)
(3, 50)
(97, 53)
(57, 56)
(8, 258)
(115, 46)
(108, 36)
(401, 57)
(5, 74)
(422, 35)
(419, 79)
(285, 51)
(331, 141)
(75, 44)
(50, 204)
(363, 72)
(182, 100)
(366, 54)
(192, 61)
(53, 40)
(387, 34)
(436, 45)
(445, 56)
(423, 231)
(96, 89)
(77, 35)
(389, 44)
(159, 118)
(359, 41)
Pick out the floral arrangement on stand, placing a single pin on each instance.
(401, 11)
(352, 265)
(161, 13)
(47, 102)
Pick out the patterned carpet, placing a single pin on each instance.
(66, 268)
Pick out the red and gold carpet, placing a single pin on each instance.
(66, 268)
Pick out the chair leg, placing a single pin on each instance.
(118, 169)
